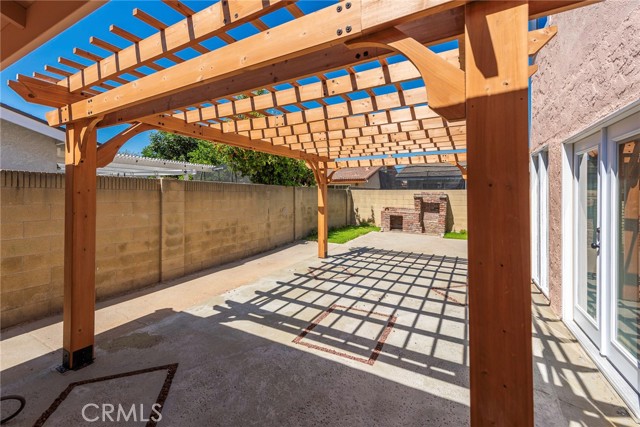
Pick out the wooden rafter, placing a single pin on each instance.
(537, 39)
(376, 109)
(202, 26)
(392, 148)
(368, 135)
(448, 27)
(395, 161)
(353, 148)
(351, 82)
(276, 46)
(179, 7)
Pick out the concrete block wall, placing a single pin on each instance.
(155, 230)
(31, 246)
(368, 204)
(148, 231)
(128, 237)
(306, 214)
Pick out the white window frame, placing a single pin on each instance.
(540, 220)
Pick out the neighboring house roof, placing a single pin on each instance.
(123, 164)
(130, 165)
(428, 171)
(353, 175)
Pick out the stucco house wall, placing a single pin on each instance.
(24, 149)
(588, 71)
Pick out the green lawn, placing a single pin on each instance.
(344, 234)
(460, 235)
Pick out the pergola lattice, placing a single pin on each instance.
(318, 105)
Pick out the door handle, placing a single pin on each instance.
(596, 244)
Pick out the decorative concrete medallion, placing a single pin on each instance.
(370, 331)
(129, 398)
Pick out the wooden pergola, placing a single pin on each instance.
(320, 106)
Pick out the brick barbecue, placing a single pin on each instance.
(428, 216)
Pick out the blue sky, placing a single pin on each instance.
(120, 13)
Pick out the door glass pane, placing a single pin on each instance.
(628, 316)
(588, 233)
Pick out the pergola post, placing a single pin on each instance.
(323, 209)
(79, 244)
(498, 195)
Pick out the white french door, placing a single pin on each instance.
(623, 341)
(587, 189)
(601, 219)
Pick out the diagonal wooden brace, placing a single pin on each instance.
(108, 150)
(444, 81)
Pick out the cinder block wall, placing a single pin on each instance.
(368, 204)
(148, 231)
(154, 230)
(128, 237)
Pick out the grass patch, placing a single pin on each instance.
(344, 234)
(459, 235)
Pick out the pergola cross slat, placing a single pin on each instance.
(478, 105)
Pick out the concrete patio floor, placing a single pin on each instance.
(374, 335)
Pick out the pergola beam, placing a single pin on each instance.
(194, 130)
(41, 92)
(430, 31)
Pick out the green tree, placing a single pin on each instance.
(264, 168)
(261, 168)
(164, 145)
(205, 153)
